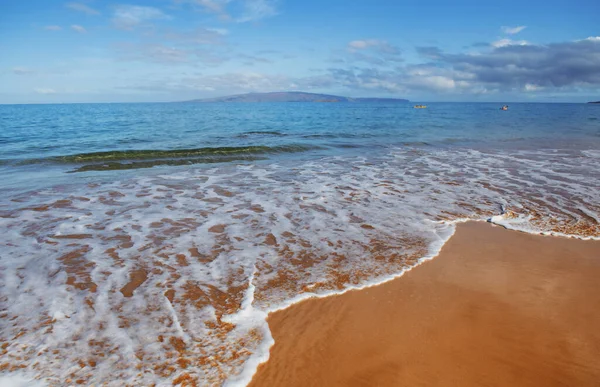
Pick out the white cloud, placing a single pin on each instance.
(256, 10)
(42, 90)
(362, 44)
(78, 28)
(165, 54)
(197, 36)
(509, 42)
(593, 39)
(434, 82)
(379, 45)
(372, 51)
(242, 81)
(82, 8)
(513, 30)
(53, 28)
(514, 65)
(129, 16)
(532, 87)
(156, 53)
(220, 31)
(240, 11)
(216, 6)
(226, 83)
(19, 70)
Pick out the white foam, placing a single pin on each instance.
(446, 233)
(244, 233)
(591, 153)
(18, 380)
(522, 224)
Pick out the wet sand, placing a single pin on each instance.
(495, 308)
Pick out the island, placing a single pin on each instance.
(594, 102)
(294, 96)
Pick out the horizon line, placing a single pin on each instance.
(311, 102)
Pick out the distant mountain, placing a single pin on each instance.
(594, 102)
(293, 96)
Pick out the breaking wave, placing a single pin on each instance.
(170, 277)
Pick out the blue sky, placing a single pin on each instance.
(170, 50)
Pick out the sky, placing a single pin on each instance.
(172, 50)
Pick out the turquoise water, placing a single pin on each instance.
(44, 140)
(130, 231)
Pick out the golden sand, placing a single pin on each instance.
(495, 308)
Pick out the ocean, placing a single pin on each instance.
(146, 243)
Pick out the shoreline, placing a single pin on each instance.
(303, 354)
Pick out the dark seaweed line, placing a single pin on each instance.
(175, 154)
(116, 166)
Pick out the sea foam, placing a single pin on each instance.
(169, 277)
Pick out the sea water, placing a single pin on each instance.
(145, 243)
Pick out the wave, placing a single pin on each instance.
(116, 166)
(321, 136)
(209, 255)
(347, 146)
(261, 133)
(416, 143)
(342, 135)
(152, 154)
(148, 158)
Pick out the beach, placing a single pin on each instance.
(129, 256)
(276, 193)
(495, 308)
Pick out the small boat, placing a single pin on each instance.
(420, 107)
(505, 107)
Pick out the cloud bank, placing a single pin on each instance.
(239, 11)
(80, 7)
(127, 17)
(512, 68)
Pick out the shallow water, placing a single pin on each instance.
(145, 243)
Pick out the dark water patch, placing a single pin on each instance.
(346, 146)
(514, 139)
(117, 166)
(157, 154)
(362, 135)
(45, 147)
(148, 158)
(343, 135)
(320, 136)
(133, 141)
(456, 140)
(261, 133)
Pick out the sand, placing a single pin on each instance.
(495, 308)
